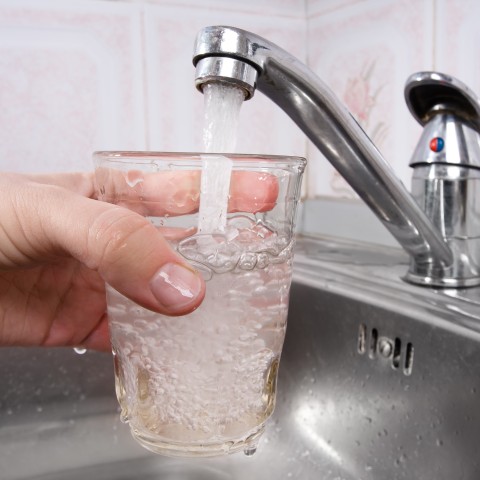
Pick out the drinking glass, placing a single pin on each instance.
(204, 384)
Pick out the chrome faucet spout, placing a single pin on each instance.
(232, 55)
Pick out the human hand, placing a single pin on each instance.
(58, 247)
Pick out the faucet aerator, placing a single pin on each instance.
(226, 70)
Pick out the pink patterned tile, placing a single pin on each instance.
(457, 40)
(365, 52)
(318, 7)
(70, 83)
(293, 8)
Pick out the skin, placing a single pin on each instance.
(59, 245)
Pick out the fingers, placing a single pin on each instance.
(253, 192)
(128, 252)
(178, 193)
(47, 216)
(80, 182)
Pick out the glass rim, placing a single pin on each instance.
(119, 155)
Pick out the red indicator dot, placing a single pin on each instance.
(437, 144)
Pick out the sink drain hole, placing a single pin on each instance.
(408, 359)
(362, 339)
(397, 351)
(373, 343)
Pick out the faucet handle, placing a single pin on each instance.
(450, 114)
(446, 172)
(430, 93)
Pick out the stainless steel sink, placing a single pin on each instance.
(379, 380)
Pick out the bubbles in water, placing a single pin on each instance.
(247, 261)
(170, 371)
(212, 250)
(245, 243)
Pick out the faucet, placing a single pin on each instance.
(444, 249)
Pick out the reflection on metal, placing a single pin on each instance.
(439, 226)
(307, 417)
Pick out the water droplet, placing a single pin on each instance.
(439, 442)
(401, 459)
(249, 450)
(80, 350)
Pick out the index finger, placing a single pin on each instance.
(177, 193)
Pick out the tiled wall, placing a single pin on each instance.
(81, 75)
(366, 49)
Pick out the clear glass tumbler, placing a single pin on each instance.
(204, 384)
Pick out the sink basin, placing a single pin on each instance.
(378, 380)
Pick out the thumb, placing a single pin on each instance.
(125, 248)
(132, 256)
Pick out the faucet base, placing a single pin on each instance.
(435, 282)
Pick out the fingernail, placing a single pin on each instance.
(176, 286)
